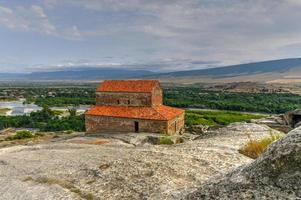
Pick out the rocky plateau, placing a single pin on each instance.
(129, 166)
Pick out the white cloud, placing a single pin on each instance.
(6, 10)
(34, 18)
(39, 11)
(230, 31)
(27, 19)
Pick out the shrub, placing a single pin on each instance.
(21, 135)
(254, 148)
(165, 140)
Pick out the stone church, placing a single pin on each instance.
(132, 106)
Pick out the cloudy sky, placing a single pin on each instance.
(158, 35)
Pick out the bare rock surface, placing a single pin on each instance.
(113, 168)
(275, 175)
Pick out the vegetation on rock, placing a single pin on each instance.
(254, 148)
(165, 140)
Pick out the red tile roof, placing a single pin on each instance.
(157, 113)
(127, 86)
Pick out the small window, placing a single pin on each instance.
(129, 102)
(118, 102)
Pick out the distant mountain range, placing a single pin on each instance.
(284, 70)
(274, 66)
(77, 74)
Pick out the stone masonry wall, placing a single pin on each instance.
(157, 96)
(176, 125)
(99, 124)
(123, 99)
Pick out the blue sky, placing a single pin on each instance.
(157, 35)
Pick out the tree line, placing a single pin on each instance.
(251, 102)
(45, 120)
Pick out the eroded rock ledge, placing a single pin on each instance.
(113, 168)
(275, 175)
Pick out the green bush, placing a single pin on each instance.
(165, 140)
(21, 135)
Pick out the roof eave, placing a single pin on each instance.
(127, 117)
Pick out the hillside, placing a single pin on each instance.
(284, 71)
(275, 71)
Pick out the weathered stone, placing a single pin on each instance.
(293, 118)
(275, 175)
(119, 170)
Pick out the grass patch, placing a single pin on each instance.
(21, 135)
(65, 184)
(211, 118)
(254, 148)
